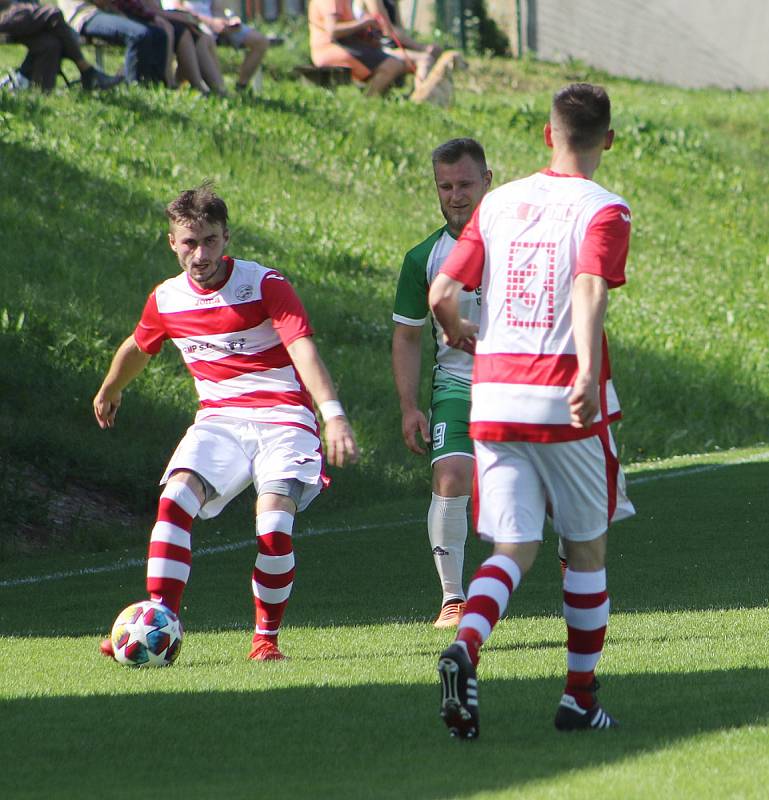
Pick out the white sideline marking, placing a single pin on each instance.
(203, 551)
(225, 548)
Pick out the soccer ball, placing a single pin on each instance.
(146, 634)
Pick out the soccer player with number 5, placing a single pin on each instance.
(546, 250)
(246, 339)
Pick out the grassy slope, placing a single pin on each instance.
(332, 189)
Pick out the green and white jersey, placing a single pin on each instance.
(453, 368)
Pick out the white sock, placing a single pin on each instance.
(447, 529)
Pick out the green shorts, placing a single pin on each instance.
(449, 428)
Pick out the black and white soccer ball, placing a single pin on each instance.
(146, 634)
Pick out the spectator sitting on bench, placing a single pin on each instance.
(195, 50)
(48, 39)
(145, 45)
(397, 42)
(337, 39)
(228, 29)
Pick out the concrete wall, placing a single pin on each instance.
(689, 43)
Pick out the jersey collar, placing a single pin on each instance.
(563, 175)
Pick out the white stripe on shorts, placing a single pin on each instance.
(586, 619)
(275, 565)
(166, 568)
(267, 595)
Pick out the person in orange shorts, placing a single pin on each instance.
(338, 39)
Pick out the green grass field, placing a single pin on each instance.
(332, 189)
(353, 713)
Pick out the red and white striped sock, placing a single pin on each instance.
(273, 574)
(170, 553)
(487, 597)
(586, 611)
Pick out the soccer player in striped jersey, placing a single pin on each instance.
(461, 180)
(247, 341)
(546, 250)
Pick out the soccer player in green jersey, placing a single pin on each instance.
(461, 179)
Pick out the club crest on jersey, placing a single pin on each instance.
(244, 292)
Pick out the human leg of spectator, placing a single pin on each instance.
(43, 60)
(210, 68)
(384, 75)
(422, 62)
(334, 55)
(145, 45)
(171, 51)
(24, 21)
(187, 59)
(256, 45)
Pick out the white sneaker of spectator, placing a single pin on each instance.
(14, 81)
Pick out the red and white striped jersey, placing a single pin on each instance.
(524, 245)
(233, 340)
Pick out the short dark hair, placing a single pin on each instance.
(450, 152)
(194, 206)
(584, 111)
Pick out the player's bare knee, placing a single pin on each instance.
(587, 556)
(451, 485)
(523, 553)
(453, 476)
(191, 480)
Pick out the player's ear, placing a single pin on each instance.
(548, 133)
(609, 141)
(226, 235)
(172, 241)
(487, 176)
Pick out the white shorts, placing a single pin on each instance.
(230, 453)
(579, 484)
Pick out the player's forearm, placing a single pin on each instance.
(407, 363)
(589, 301)
(127, 363)
(312, 370)
(444, 303)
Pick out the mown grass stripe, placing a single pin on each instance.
(686, 471)
(231, 546)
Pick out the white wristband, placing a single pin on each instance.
(331, 408)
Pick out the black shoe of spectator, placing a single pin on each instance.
(94, 78)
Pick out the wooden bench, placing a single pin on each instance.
(327, 77)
